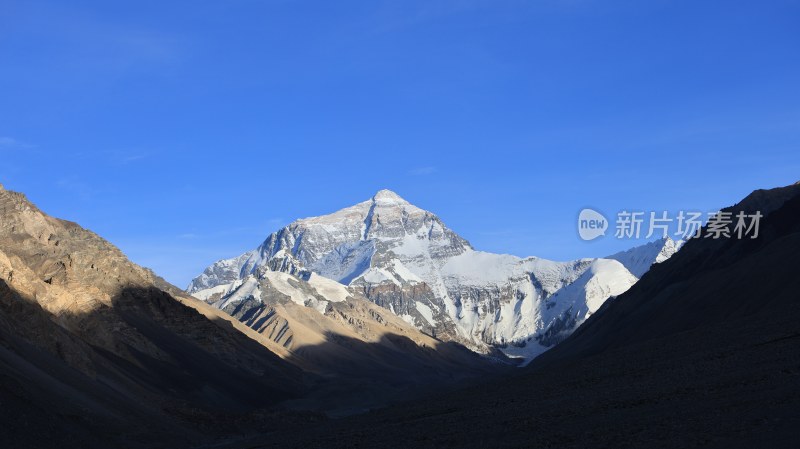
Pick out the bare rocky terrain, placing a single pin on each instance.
(94, 348)
(702, 352)
(96, 351)
(407, 261)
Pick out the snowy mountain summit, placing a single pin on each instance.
(405, 259)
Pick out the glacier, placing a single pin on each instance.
(405, 259)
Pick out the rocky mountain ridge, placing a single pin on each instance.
(407, 260)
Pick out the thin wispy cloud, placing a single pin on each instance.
(132, 158)
(113, 157)
(76, 186)
(10, 142)
(422, 171)
(500, 232)
(72, 31)
(275, 222)
(270, 225)
(395, 16)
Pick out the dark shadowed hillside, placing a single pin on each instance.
(98, 351)
(703, 352)
(94, 348)
(714, 282)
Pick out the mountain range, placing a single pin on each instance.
(96, 351)
(701, 352)
(406, 260)
(304, 341)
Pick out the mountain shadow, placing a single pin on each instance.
(141, 374)
(96, 351)
(726, 282)
(702, 352)
(373, 375)
(137, 374)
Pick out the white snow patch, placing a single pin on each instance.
(408, 319)
(328, 288)
(240, 290)
(378, 276)
(480, 268)
(426, 313)
(280, 281)
(406, 274)
(203, 295)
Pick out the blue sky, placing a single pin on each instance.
(185, 132)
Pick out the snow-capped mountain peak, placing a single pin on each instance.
(407, 260)
(639, 259)
(388, 197)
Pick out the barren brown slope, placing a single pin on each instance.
(95, 348)
(364, 355)
(702, 352)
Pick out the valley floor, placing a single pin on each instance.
(745, 392)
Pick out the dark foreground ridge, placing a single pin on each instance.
(96, 351)
(703, 352)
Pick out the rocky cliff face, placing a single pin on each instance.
(336, 333)
(96, 351)
(406, 260)
(702, 352)
(88, 337)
